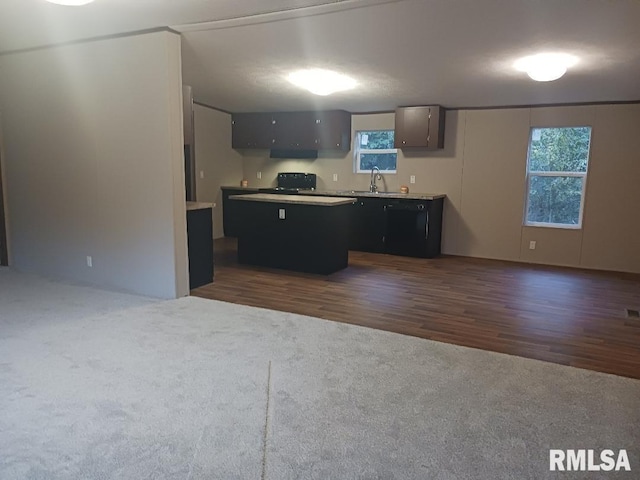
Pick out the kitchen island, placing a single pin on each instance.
(293, 232)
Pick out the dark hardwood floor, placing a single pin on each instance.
(561, 315)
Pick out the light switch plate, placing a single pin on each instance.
(412, 179)
(201, 173)
(335, 177)
(259, 175)
(532, 245)
(281, 213)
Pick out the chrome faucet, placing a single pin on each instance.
(373, 188)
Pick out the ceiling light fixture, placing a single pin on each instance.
(70, 3)
(321, 82)
(545, 67)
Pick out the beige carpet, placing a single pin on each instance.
(102, 385)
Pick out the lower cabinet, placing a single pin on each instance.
(368, 225)
(410, 228)
(396, 226)
(231, 216)
(200, 245)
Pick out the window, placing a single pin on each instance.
(374, 148)
(556, 175)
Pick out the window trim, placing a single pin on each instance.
(359, 151)
(546, 173)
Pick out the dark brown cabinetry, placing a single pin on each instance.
(324, 130)
(252, 130)
(200, 245)
(410, 228)
(420, 127)
(230, 216)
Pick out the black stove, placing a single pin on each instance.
(292, 183)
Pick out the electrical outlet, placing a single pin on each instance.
(201, 173)
(89, 261)
(532, 245)
(412, 179)
(259, 175)
(335, 177)
(281, 213)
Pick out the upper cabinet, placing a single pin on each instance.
(324, 130)
(252, 130)
(420, 127)
(332, 130)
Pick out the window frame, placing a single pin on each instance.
(359, 151)
(537, 173)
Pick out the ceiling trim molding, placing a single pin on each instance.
(212, 107)
(92, 39)
(494, 107)
(546, 105)
(280, 15)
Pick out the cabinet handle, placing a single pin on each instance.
(318, 121)
(337, 144)
(273, 140)
(404, 142)
(426, 227)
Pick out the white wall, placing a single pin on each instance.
(482, 171)
(93, 144)
(215, 159)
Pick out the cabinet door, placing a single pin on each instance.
(332, 130)
(251, 130)
(231, 217)
(200, 247)
(368, 223)
(294, 131)
(421, 127)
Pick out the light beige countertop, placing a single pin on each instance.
(325, 201)
(199, 205)
(237, 187)
(356, 193)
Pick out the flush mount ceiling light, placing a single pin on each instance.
(70, 3)
(545, 67)
(321, 82)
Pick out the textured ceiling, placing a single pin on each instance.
(457, 53)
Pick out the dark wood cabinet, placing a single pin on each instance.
(252, 130)
(200, 247)
(293, 131)
(299, 237)
(231, 216)
(408, 227)
(323, 130)
(332, 130)
(368, 225)
(398, 226)
(419, 127)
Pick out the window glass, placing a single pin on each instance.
(559, 149)
(374, 148)
(556, 176)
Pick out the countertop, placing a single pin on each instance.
(352, 193)
(325, 201)
(248, 189)
(199, 205)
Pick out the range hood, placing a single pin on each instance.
(284, 153)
